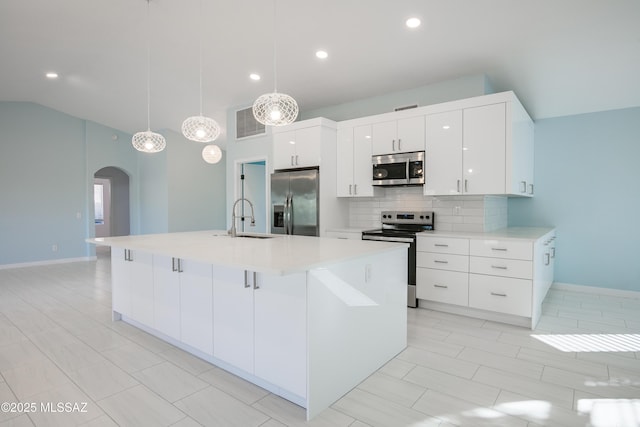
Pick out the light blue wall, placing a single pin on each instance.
(42, 184)
(196, 189)
(587, 182)
(47, 163)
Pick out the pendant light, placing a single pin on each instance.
(275, 109)
(212, 154)
(147, 141)
(200, 128)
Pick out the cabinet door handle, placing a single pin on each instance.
(553, 252)
(126, 258)
(496, 294)
(393, 145)
(458, 186)
(246, 279)
(441, 245)
(441, 286)
(173, 264)
(350, 188)
(180, 270)
(499, 267)
(547, 258)
(499, 249)
(399, 142)
(255, 281)
(440, 261)
(531, 189)
(524, 186)
(355, 189)
(466, 185)
(296, 160)
(292, 164)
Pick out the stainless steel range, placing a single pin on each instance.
(401, 226)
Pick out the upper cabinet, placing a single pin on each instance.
(483, 148)
(297, 148)
(354, 162)
(398, 136)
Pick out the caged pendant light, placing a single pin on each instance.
(148, 141)
(200, 128)
(275, 109)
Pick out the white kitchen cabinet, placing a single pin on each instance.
(233, 318)
(480, 149)
(398, 136)
(499, 277)
(297, 148)
(280, 310)
(484, 150)
(166, 296)
(442, 269)
(196, 305)
(443, 160)
(354, 162)
(121, 288)
(136, 267)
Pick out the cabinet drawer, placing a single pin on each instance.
(445, 245)
(501, 267)
(450, 287)
(443, 261)
(501, 294)
(512, 249)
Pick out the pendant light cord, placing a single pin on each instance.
(200, 53)
(275, 51)
(148, 68)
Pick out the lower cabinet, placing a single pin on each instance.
(183, 301)
(508, 276)
(132, 284)
(501, 294)
(281, 331)
(233, 317)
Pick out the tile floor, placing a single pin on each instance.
(59, 345)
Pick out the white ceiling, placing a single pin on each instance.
(561, 57)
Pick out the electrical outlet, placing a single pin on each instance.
(54, 248)
(456, 210)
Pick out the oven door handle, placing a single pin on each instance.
(389, 239)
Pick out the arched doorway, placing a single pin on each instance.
(111, 200)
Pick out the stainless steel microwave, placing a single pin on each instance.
(398, 169)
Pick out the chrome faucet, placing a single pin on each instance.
(232, 230)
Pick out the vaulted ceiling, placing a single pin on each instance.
(561, 57)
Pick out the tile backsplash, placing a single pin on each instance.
(452, 213)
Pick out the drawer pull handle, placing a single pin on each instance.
(440, 262)
(495, 294)
(440, 286)
(441, 245)
(499, 249)
(499, 267)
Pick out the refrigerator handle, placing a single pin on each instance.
(287, 214)
(290, 214)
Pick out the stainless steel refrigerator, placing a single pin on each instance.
(295, 202)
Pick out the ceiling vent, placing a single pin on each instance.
(247, 125)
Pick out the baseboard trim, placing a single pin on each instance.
(47, 262)
(595, 290)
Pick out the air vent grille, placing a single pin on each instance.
(247, 125)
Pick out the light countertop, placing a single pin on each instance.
(510, 233)
(278, 255)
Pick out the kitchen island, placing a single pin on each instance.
(306, 318)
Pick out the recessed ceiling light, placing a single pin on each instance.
(254, 76)
(413, 22)
(52, 75)
(322, 54)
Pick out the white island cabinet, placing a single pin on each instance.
(306, 318)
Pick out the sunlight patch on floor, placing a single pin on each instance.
(611, 412)
(591, 342)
